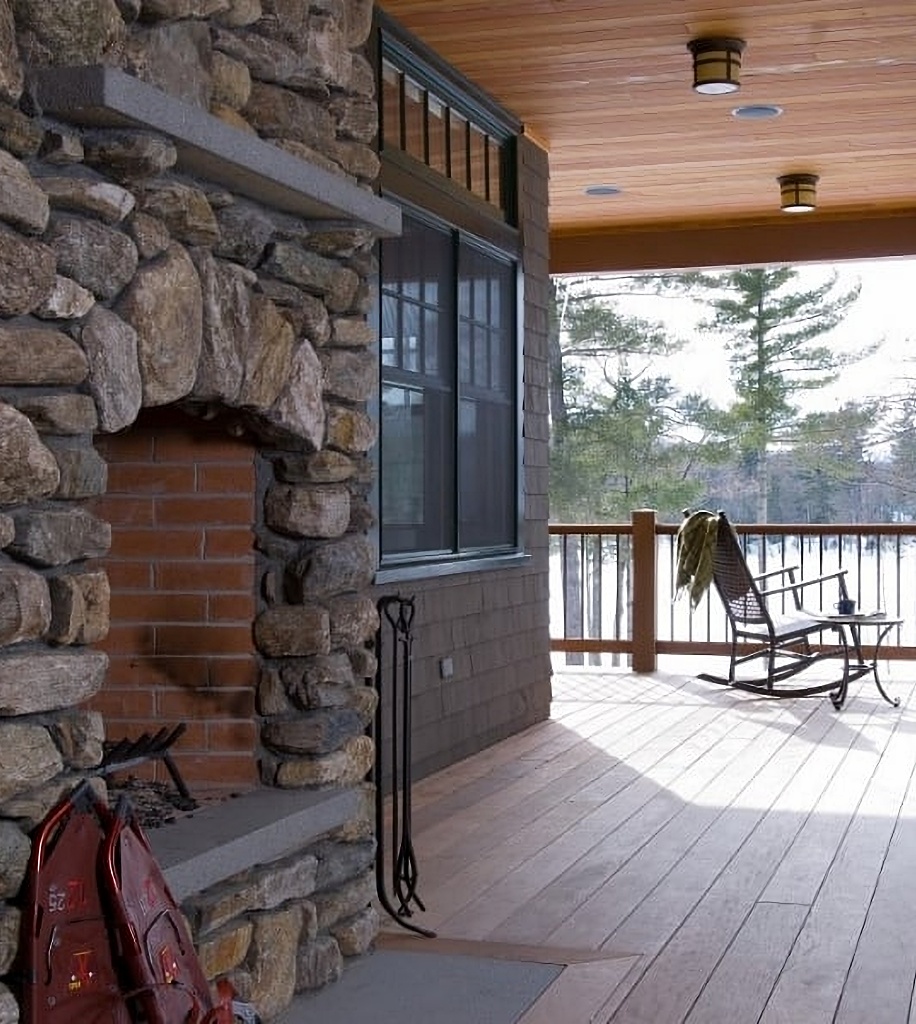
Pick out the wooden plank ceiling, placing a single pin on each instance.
(605, 86)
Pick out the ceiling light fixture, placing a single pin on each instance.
(798, 192)
(716, 64)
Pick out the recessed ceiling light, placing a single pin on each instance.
(757, 111)
(603, 190)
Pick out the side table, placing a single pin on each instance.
(854, 624)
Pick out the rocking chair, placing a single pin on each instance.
(778, 638)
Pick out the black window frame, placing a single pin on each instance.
(474, 225)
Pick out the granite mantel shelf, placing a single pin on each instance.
(104, 97)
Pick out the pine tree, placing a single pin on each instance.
(614, 442)
(770, 331)
(618, 431)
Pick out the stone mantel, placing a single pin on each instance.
(100, 96)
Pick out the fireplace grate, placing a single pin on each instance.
(126, 753)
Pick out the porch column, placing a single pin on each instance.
(644, 600)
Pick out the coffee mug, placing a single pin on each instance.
(846, 606)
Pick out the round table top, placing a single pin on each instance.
(865, 619)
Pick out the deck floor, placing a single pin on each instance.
(695, 854)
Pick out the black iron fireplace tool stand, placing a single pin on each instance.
(396, 615)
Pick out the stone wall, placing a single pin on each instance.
(127, 284)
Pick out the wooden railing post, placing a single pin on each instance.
(645, 629)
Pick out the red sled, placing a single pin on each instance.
(66, 964)
(160, 965)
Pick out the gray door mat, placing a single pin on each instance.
(402, 987)
(411, 980)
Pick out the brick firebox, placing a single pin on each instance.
(181, 502)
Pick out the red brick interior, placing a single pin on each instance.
(181, 502)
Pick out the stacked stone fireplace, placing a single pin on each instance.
(186, 258)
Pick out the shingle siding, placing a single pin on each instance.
(494, 624)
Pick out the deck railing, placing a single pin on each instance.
(612, 584)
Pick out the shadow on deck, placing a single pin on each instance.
(690, 853)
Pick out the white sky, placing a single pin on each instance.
(885, 311)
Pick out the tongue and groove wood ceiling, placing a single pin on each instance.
(605, 87)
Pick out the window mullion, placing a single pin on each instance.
(402, 112)
(426, 127)
(456, 390)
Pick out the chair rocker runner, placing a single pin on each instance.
(777, 638)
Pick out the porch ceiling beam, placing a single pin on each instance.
(791, 239)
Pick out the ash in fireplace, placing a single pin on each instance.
(155, 803)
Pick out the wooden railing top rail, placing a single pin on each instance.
(757, 529)
(561, 529)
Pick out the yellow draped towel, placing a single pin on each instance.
(696, 542)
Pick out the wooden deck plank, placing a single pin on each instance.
(678, 974)
(527, 826)
(745, 976)
(802, 871)
(564, 773)
(580, 993)
(619, 830)
(880, 983)
(540, 743)
(524, 770)
(738, 858)
(648, 900)
(811, 985)
(629, 791)
(580, 895)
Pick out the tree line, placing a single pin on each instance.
(625, 435)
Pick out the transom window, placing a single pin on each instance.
(433, 123)
(450, 445)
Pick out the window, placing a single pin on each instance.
(450, 440)
(449, 446)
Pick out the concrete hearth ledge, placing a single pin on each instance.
(220, 840)
(99, 96)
